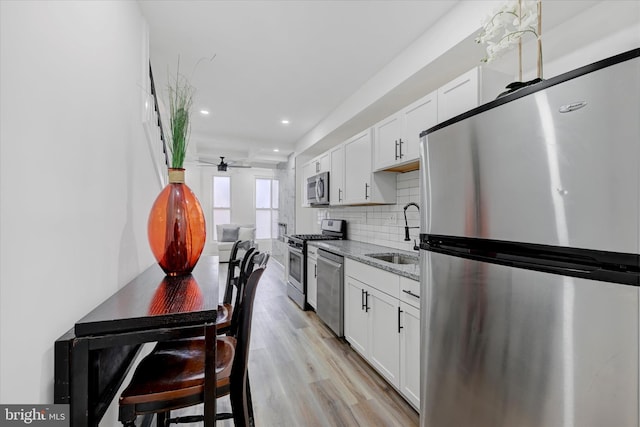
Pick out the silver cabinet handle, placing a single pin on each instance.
(366, 190)
(399, 325)
(397, 145)
(400, 141)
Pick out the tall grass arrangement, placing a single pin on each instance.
(180, 103)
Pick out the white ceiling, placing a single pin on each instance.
(274, 60)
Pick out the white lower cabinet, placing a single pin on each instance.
(371, 327)
(356, 318)
(384, 339)
(410, 353)
(410, 340)
(383, 324)
(312, 276)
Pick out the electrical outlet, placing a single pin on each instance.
(391, 218)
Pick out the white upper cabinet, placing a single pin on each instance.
(357, 159)
(388, 134)
(308, 170)
(397, 137)
(418, 117)
(362, 185)
(475, 87)
(336, 176)
(361, 169)
(322, 163)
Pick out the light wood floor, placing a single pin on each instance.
(303, 375)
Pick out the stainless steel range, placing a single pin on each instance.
(331, 229)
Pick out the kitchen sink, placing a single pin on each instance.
(395, 258)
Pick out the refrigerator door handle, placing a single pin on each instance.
(613, 267)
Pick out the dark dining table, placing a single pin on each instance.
(93, 358)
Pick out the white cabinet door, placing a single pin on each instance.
(336, 176)
(357, 158)
(356, 329)
(362, 186)
(308, 170)
(458, 96)
(397, 138)
(410, 354)
(387, 142)
(312, 277)
(322, 163)
(384, 338)
(475, 87)
(410, 291)
(382, 323)
(417, 117)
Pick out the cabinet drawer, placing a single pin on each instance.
(312, 251)
(377, 278)
(410, 291)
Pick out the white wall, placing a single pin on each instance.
(76, 179)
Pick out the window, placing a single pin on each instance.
(266, 208)
(221, 202)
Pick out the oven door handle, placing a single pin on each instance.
(295, 250)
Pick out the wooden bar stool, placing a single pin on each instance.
(172, 375)
(236, 277)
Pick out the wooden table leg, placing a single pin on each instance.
(80, 411)
(210, 375)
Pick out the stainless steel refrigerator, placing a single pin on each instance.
(530, 256)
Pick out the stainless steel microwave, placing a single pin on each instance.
(318, 189)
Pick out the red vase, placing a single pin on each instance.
(176, 227)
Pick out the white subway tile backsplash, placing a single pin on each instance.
(372, 224)
(408, 175)
(404, 184)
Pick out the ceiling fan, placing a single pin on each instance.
(222, 166)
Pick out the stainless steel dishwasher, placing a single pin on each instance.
(330, 290)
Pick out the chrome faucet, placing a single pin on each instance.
(406, 225)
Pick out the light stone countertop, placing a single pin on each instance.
(357, 251)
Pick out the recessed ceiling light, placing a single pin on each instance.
(284, 121)
(204, 112)
(276, 150)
